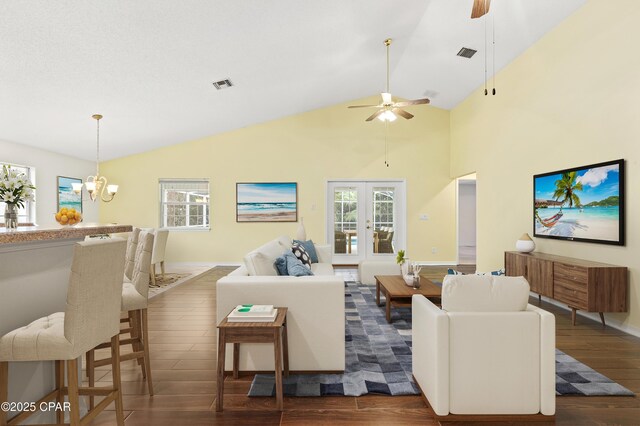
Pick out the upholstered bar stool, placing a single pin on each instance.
(160, 237)
(135, 300)
(92, 316)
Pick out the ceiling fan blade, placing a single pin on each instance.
(480, 7)
(363, 106)
(414, 102)
(402, 113)
(375, 115)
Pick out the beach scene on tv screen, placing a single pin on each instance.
(583, 203)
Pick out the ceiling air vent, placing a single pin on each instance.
(222, 84)
(465, 52)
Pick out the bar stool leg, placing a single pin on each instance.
(117, 386)
(136, 335)
(91, 375)
(59, 386)
(145, 344)
(4, 389)
(72, 385)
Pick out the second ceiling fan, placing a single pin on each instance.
(388, 109)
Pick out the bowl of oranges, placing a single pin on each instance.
(68, 216)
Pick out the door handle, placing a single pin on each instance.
(368, 227)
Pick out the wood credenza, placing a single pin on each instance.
(581, 284)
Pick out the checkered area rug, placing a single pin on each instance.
(378, 359)
(575, 378)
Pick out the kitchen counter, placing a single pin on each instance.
(43, 233)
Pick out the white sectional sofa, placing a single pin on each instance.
(315, 319)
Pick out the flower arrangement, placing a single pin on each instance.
(15, 187)
(400, 259)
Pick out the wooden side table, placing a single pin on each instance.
(254, 332)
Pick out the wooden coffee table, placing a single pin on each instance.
(398, 293)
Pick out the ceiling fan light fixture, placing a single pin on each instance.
(387, 116)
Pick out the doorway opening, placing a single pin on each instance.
(467, 219)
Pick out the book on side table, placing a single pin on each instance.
(253, 313)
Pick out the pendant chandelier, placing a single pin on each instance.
(97, 185)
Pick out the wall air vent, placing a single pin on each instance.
(222, 84)
(465, 52)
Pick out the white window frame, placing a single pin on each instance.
(162, 183)
(28, 213)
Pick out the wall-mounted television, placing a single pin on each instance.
(581, 204)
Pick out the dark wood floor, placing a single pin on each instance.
(183, 354)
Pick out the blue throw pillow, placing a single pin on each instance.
(310, 248)
(281, 265)
(295, 267)
(497, 273)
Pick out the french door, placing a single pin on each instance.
(365, 220)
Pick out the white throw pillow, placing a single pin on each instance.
(261, 260)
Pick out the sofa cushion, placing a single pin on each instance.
(299, 251)
(484, 293)
(284, 241)
(322, 269)
(261, 260)
(310, 248)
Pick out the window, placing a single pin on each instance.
(184, 204)
(26, 214)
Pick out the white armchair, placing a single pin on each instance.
(487, 351)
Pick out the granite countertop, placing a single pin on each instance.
(58, 232)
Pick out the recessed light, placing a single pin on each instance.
(222, 84)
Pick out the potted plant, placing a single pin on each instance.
(15, 189)
(404, 263)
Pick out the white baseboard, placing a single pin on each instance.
(634, 331)
(204, 264)
(437, 262)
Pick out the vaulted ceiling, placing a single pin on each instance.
(148, 65)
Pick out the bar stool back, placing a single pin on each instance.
(92, 316)
(135, 300)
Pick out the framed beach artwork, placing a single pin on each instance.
(581, 204)
(66, 197)
(267, 202)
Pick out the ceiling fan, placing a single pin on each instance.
(480, 8)
(388, 109)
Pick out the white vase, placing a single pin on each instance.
(301, 233)
(525, 244)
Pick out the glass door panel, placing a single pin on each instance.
(345, 222)
(383, 209)
(365, 220)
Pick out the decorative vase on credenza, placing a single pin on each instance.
(525, 244)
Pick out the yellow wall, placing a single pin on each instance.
(570, 100)
(308, 148)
